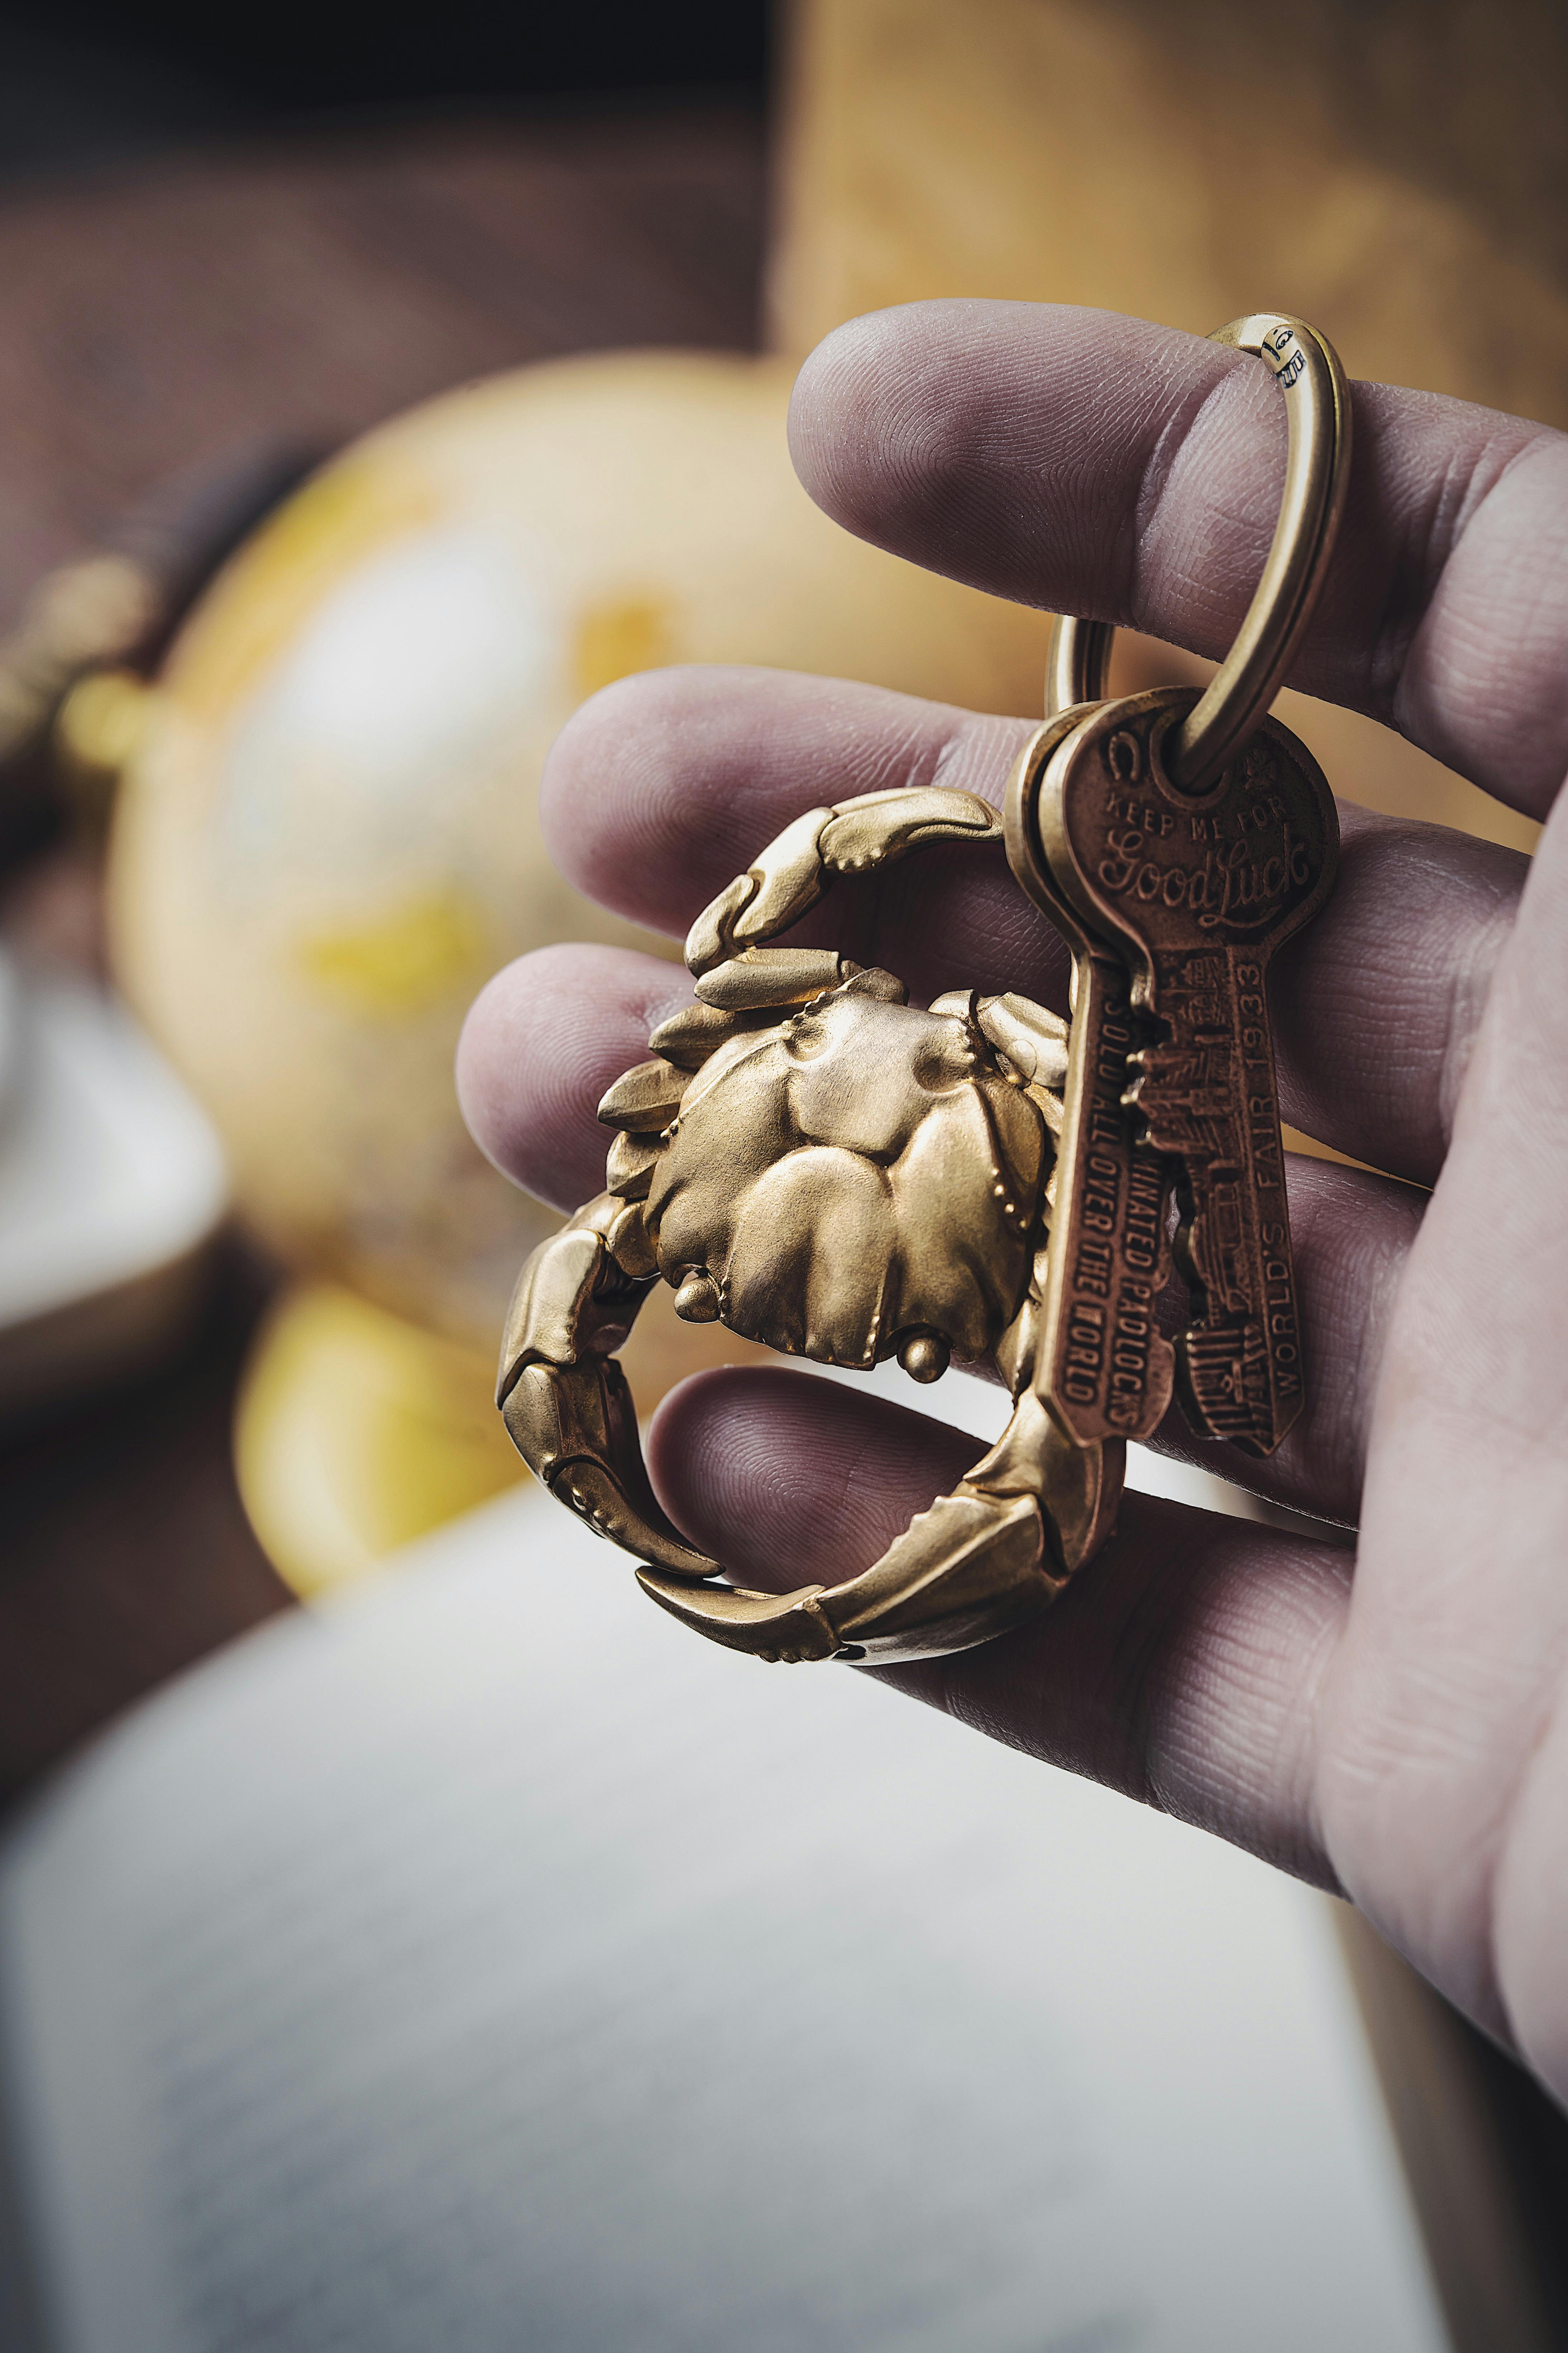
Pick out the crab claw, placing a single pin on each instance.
(563, 1397)
(788, 1626)
(576, 1427)
(970, 1568)
(988, 1557)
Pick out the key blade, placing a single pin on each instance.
(1208, 1095)
(1104, 1369)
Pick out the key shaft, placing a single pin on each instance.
(1102, 1368)
(1198, 890)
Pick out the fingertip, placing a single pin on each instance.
(869, 416)
(541, 1042)
(585, 767)
(828, 404)
(640, 783)
(476, 1071)
(506, 1068)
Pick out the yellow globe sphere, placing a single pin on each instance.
(328, 835)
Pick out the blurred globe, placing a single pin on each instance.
(328, 835)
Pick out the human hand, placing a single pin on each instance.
(1381, 1711)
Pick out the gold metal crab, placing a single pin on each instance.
(822, 1167)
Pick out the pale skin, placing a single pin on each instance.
(1382, 1710)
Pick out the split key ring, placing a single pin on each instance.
(1317, 476)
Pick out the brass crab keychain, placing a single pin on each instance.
(825, 1167)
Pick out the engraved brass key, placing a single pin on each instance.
(1200, 889)
(1175, 845)
(1103, 1365)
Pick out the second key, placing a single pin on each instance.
(1200, 890)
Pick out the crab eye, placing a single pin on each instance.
(924, 1355)
(945, 1057)
(806, 1038)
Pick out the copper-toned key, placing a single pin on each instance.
(1103, 1365)
(1198, 889)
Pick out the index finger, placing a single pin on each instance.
(1095, 464)
(664, 786)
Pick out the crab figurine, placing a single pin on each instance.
(823, 1167)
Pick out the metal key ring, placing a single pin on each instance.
(1306, 366)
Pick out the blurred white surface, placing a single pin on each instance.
(981, 1409)
(111, 1178)
(480, 1962)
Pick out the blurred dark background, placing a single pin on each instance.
(225, 231)
(82, 85)
(231, 241)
